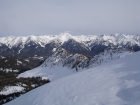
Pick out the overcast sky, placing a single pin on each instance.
(34, 17)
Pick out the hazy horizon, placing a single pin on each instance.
(80, 17)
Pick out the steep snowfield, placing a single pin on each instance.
(51, 73)
(113, 83)
(108, 55)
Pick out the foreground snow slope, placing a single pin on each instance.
(113, 83)
(51, 73)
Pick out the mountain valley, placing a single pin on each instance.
(50, 58)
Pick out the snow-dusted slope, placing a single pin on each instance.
(62, 63)
(48, 73)
(109, 54)
(113, 83)
(63, 58)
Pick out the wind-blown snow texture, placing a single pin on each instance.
(113, 83)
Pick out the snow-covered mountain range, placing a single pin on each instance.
(87, 40)
(36, 49)
(85, 44)
(113, 83)
(57, 56)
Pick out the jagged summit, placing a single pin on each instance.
(62, 57)
(64, 37)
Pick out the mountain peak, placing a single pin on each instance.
(65, 37)
(62, 57)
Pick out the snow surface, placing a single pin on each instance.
(109, 55)
(11, 89)
(113, 83)
(51, 73)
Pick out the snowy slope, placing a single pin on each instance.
(109, 54)
(63, 58)
(48, 72)
(63, 63)
(113, 83)
(11, 89)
